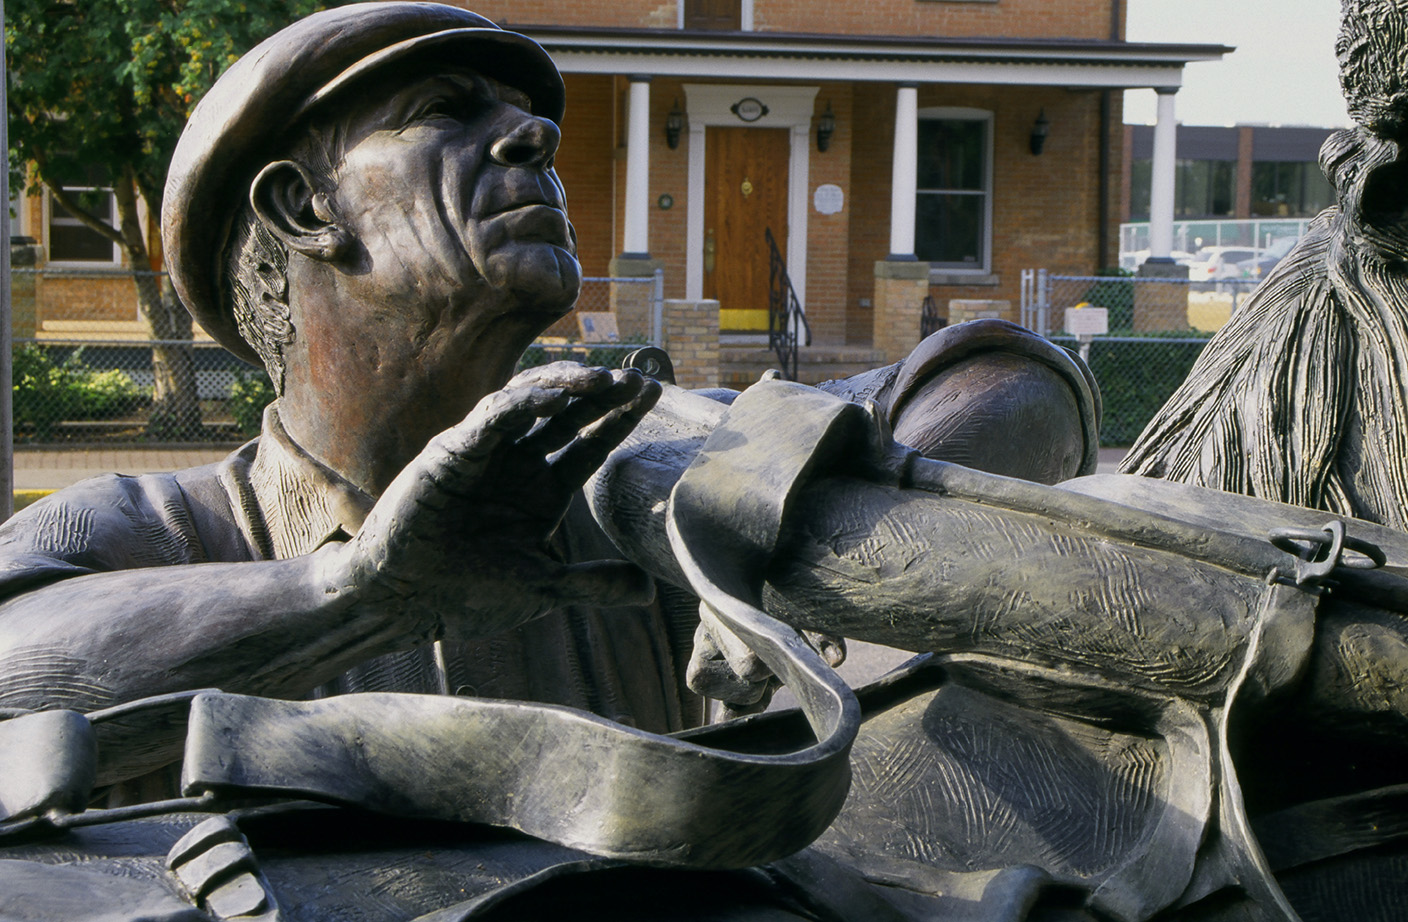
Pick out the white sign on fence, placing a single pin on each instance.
(1087, 321)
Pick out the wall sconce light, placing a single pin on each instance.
(674, 124)
(825, 127)
(1039, 132)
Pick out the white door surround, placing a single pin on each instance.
(787, 107)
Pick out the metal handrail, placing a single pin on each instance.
(785, 314)
(930, 322)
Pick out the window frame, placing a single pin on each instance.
(745, 14)
(964, 114)
(50, 219)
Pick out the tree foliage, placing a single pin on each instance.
(100, 89)
(99, 92)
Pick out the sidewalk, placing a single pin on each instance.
(54, 469)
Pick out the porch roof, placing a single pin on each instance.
(1075, 63)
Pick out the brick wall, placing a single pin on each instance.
(692, 339)
(950, 18)
(899, 289)
(1045, 209)
(585, 165)
(828, 236)
(957, 18)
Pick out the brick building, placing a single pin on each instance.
(894, 148)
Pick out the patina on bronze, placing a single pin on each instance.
(1121, 668)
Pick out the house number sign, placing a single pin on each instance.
(749, 109)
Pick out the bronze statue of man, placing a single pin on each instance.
(367, 205)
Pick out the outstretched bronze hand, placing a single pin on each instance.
(460, 539)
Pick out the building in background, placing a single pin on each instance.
(1250, 185)
(895, 150)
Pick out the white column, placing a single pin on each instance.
(694, 215)
(1161, 190)
(905, 174)
(637, 233)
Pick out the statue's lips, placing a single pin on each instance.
(534, 221)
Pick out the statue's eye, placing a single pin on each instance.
(436, 108)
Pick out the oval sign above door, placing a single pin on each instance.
(749, 109)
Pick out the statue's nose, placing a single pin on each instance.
(530, 141)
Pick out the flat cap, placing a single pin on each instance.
(254, 109)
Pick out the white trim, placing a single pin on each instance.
(789, 107)
(997, 72)
(694, 215)
(798, 179)
(655, 42)
(966, 113)
(637, 218)
(904, 170)
(1162, 180)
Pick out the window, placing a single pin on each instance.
(1201, 188)
(1289, 190)
(718, 15)
(952, 209)
(72, 241)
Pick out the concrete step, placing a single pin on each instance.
(741, 365)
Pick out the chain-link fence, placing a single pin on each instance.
(1156, 330)
(88, 371)
(612, 317)
(96, 391)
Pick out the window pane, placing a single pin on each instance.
(71, 240)
(76, 242)
(951, 154)
(1203, 188)
(948, 229)
(1141, 176)
(713, 14)
(1292, 190)
(1319, 194)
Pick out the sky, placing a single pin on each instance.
(1282, 73)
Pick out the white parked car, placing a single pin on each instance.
(1212, 264)
(1133, 259)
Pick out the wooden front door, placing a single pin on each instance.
(745, 191)
(713, 14)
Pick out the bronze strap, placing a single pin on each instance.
(570, 777)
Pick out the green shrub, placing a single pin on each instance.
(1136, 379)
(47, 392)
(105, 394)
(249, 395)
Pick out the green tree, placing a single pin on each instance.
(99, 92)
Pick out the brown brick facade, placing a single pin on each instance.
(951, 18)
(1045, 210)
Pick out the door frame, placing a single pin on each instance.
(788, 107)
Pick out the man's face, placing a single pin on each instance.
(447, 185)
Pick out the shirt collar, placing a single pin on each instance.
(304, 503)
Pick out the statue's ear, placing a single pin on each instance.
(288, 203)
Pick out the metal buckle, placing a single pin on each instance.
(1318, 553)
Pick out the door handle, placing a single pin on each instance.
(710, 247)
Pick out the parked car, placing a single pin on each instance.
(1133, 259)
(1258, 267)
(1211, 264)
